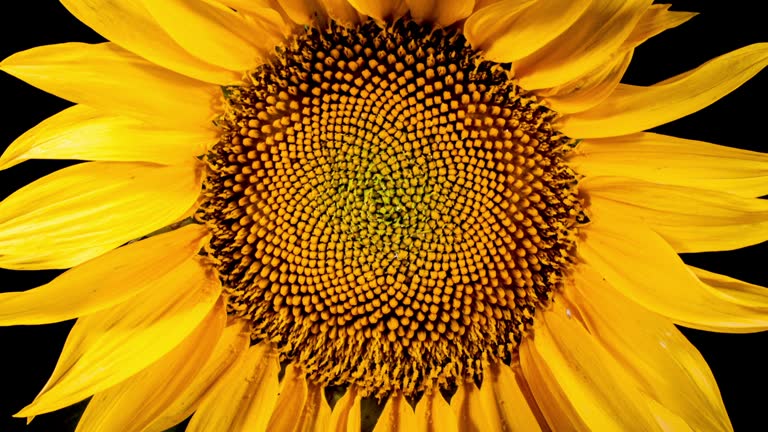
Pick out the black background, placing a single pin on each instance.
(29, 353)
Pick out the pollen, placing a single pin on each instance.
(388, 208)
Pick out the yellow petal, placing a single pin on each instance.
(671, 371)
(734, 290)
(85, 210)
(492, 21)
(632, 108)
(593, 87)
(105, 348)
(341, 11)
(642, 266)
(228, 351)
(433, 414)
(104, 281)
(118, 21)
(589, 89)
(507, 31)
(312, 12)
(85, 133)
(441, 12)
(591, 41)
(301, 405)
(110, 78)
(397, 416)
(381, 10)
(263, 17)
(479, 4)
(243, 399)
(571, 363)
(655, 20)
(346, 415)
(668, 420)
(134, 403)
(301, 11)
(503, 398)
(690, 220)
(554, 405)
(675, 161)
(211, 32)
(473, 411)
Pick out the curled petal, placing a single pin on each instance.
(507, 31)
(632, 108)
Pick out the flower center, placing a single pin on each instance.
(388, 208)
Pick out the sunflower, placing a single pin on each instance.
(387, 215)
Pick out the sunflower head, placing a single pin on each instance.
(388, 208)
(389, 215)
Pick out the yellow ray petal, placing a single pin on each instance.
(301, 405)
(503, 398)
(441, 12)
(228, 351)
(554, 405)
(433, 414)
(104, 281)
(668, 420)
(690, 220)
(479, 4)
(380, 10)
(134, 403)
(346, 415)
(110, 78)
(263, 16)
(632, 108)
(642, 266)
(212, 32)
(106, 347)
(591, 41)
(341, 11)
(397, 416)
(571, 363)
(675, 161)
(525, 389)
(85, 133)
(735, 290)
(82, 211)
(595, 86)
(655, 20)
(243, 399)
(671, 370)
(510, 30)
(473, 411)
(301, 11)
(590, 89)
(118, 21)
